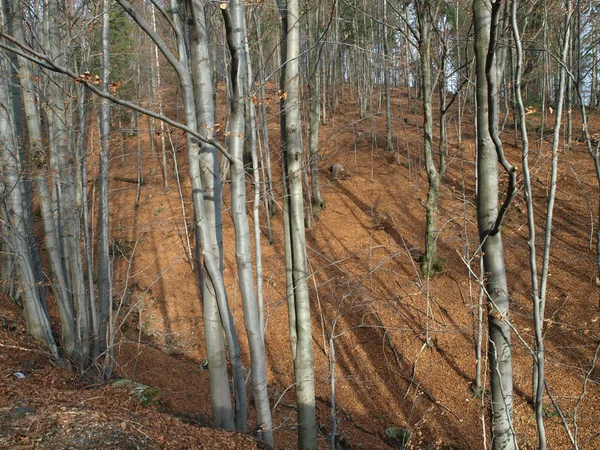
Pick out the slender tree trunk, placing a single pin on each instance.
(266, 162)
(569, 95)
(208, 164)
(211, 255)
(235, 28)
(26, 185)
(500, 353)
(433, 193)
(249, 103)
(289, 277)
(528, 193)
(545, 74)
(36, 154)
(157, 92)
(104, 300)
(303, 361)
(69, 226)
(38, 324)
(386, 75)
(539, 375)
(314, 86)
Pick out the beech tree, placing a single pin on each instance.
(315, 43)
(38, 324)
(295, 240)
(488, 72)
(54, 163)
(217, 315)
(426, 14)
(235, 27)
(346, 47)
(36, 152)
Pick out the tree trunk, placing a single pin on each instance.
(104, 297)
(303, 361)
(36, 154)
(314, 86)
(386, 75)
(211, 280)
(429, 261)
(157, 92)
(208, 165)
(500, 352)
(528, 194)
(38, 324)
(69, 225)
(235, 28)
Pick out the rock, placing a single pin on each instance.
(337, 172)
(22, 410)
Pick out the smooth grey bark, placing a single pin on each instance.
(500, 351)
(68, 211)
(36, 156)
(249, 102)
(209, 169)
(155, 68)
(26, 184)
(211, 260)
(528, 194)
(266, 161)
(424, 15)
(545, 73)
(87, 239)
(235, 31)
(315, 43)
(289, 277)
(38, 324)
(303, 360)
(569, 95)
(104, 300)
(458, 64)
(7, 261)
(386, 81)
(538, 372)
(140, 172)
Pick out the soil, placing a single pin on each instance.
(402, 347)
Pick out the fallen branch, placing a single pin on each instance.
(129, 180)
(32, 350)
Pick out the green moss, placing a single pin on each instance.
(399, 436)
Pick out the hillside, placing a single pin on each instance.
(371, 309)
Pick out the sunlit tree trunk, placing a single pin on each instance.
(386, 74)
(299, 298)
(156, 84)
(289, 278)
(528, 194)
(424, 15)
(500, 352)
(235, 28)
(209, 171)
(210, 255)
(314, 85)
(266, 161)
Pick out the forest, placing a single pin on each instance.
(341, 224)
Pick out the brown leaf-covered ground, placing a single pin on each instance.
(366, 291)
(43, 406)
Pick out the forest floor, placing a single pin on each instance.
(367, 294)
